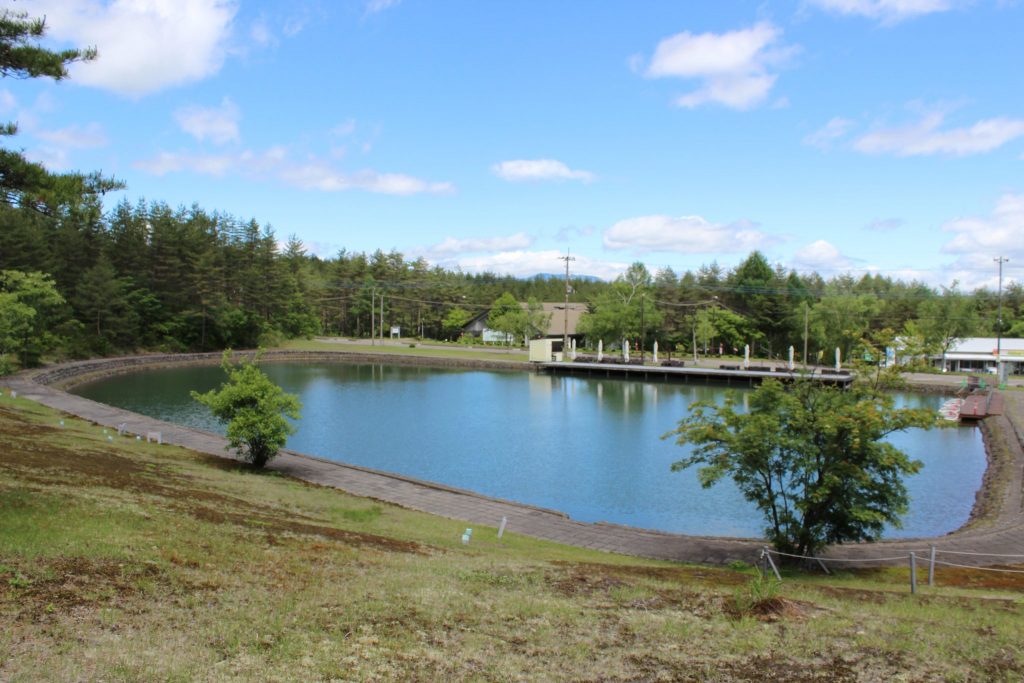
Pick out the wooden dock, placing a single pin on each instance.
(978, 406)
(732, 375)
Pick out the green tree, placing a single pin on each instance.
(15, 324)
(946, 319)
(812, 459)
(254, 408)
(30, 335)
(507, 317)
(101, 300)
(455, 320)
(537, 321)
(625, 309)
(842, 321)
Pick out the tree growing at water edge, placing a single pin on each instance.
(254, 408)
(811, 458)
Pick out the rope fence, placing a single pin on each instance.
(766, 562)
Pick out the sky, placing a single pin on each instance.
(836, 136)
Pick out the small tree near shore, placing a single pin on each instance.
(254, 408)
(812, 458)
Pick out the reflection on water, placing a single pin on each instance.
(589, 447)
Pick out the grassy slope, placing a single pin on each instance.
(121, 560)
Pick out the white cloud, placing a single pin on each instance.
(538, 169)
(522, 263)
(8, 102)
(263, 31)
(57, 145)
(75, 136)
(684, 235)
(885, 224)
(374, 6)
(144, 45)
(261, 34)
(320, 176)
(826, 136)
(217, 124)
(821, 256)
(310, 175)
(172, 162)
(734, 67)
(1002, 233)
(978, 240)
(925, 137)
(345, 128)
(570, 232)
(887, 12)
(293, 25)
(451, 245)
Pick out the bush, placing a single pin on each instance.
(254, 408)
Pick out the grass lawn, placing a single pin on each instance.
(125, 561)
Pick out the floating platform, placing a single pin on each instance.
(730, 374)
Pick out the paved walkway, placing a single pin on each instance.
(1003, 534)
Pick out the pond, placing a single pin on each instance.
(588, 447)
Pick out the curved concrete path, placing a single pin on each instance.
(1003, 534)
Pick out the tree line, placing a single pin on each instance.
(146, 276)
(770, 308)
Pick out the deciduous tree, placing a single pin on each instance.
(254, 408)
(32, 310)
(813, 459)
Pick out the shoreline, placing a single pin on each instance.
(996, 509)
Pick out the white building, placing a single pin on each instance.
(978, 354)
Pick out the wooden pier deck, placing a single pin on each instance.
(980, 405)
(731, 375)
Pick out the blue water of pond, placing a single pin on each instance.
(588, 447)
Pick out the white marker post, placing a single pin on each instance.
(791, 364)
(838, 358)
(501, 529)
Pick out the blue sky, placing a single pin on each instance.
(833, 135)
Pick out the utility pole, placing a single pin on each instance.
(999, 321)
(565, 320)
(382, 317)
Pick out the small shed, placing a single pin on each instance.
(545, 350)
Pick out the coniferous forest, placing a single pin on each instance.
(151, 277)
